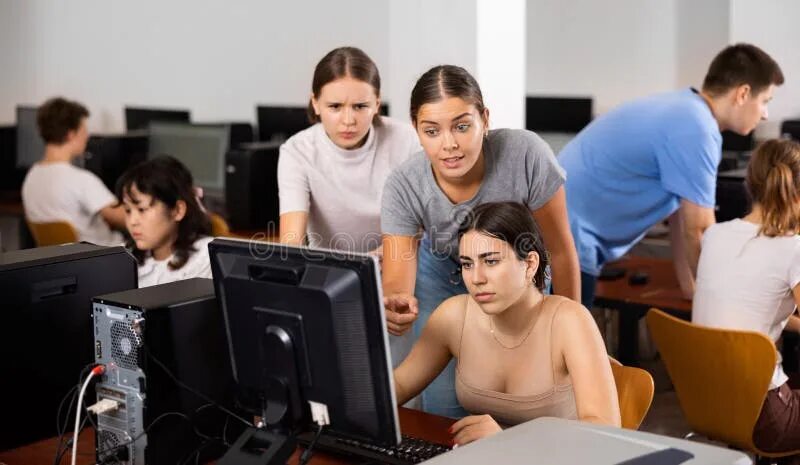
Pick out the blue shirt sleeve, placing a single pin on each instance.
(688, 166)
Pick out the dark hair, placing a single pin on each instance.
(344, 62)
(513, 223)
(742, 64)
(57, 117)
(445, 81)
(773, 180)
(167, 180)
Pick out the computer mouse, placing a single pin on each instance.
(639, 278)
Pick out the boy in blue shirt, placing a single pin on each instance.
(657, 157)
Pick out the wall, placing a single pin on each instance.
(772, 26)
(217, 58)
(612, 51)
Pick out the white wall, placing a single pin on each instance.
(219, 59)
(702, 30)
(773, 26)
(613, 51)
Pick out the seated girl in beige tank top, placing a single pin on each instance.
(520, 354)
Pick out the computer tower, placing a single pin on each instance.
(46, 330)
(108, 156)
(251, 186)
(137, 334)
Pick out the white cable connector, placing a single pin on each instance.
(103, 406)
(319, 413)
(96, 371)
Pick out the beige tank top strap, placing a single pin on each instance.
(463, 323)
(549, 310)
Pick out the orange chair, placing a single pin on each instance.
(54, 233)
(219, 227)
(635, 391)
(721, 377)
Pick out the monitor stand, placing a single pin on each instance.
(258, 446)
(274, 443)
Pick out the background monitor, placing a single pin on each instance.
(140, 118)
(47, 335)
(329, 306)
(201, 148)
(557, 114)
(30, 146)
(276, 124)
(733, 142)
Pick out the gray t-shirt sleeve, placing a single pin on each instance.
(398, 215)
(545, 175)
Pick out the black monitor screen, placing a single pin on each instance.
(330, 306)
(737, 143)
(140, 118)
(30, 146)
(276, 124)
(201, 148)
(557, 114)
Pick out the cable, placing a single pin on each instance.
(306, 455)
(98, 370)
(192, 390)
(63, 448)
(61, 429)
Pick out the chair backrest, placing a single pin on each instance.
(721, 376)
(635, 391)
(54, 233)
(219, 227)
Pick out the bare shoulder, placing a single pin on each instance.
(450, 311)
(571, 315)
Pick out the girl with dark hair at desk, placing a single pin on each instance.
(520, 354)
(169, 228)
(748, 278)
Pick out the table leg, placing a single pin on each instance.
(628, 349)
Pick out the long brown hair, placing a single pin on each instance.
(345, 62)
(773, 181)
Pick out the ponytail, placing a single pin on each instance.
(773, 181)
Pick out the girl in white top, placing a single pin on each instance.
(748, 278)
(169, 229)
(331, 175)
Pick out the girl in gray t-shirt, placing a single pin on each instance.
(462, 166)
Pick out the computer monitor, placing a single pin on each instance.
(140, 118)
(30, 146)
(790, 128)
(733, 142)
(110, 155)
(276, 123)
(201, 148)
(557, 114)
(47, 337)
(304, 326)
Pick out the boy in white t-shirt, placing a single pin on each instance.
(55, 190)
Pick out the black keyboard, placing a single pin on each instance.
(410, 450)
